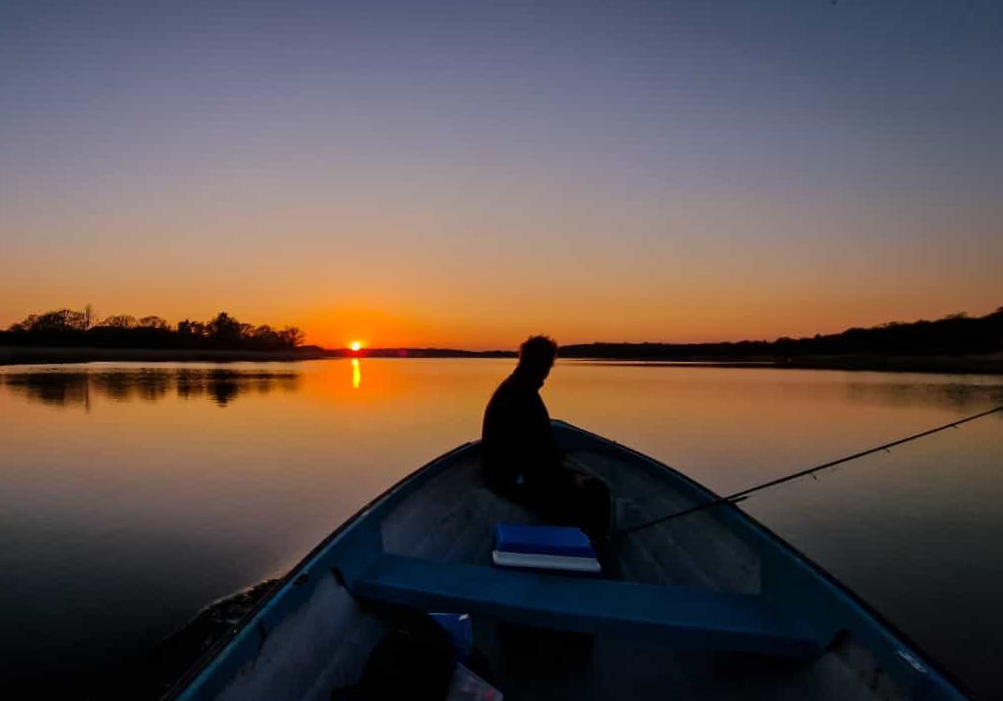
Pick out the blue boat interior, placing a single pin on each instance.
(708, 606)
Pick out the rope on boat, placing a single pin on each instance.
(745, 493)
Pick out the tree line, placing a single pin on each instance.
(68, 327)
(955, 334)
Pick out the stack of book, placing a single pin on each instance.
(544, 548)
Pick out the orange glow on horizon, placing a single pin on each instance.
(592, 320)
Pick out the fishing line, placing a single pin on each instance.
(745, 493)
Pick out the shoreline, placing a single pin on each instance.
(45, 355)
(991, 364)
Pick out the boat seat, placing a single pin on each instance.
(685, 617)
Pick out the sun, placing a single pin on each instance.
(355, 345)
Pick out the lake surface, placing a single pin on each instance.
(132, 496)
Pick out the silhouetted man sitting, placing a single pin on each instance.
(522, 461)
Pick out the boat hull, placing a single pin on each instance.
(702, 606)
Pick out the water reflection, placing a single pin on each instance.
(949, 395)
(75, 388)
(356, 374)
(958, 393)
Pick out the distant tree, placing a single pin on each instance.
(291, 337)
(153, 322)
(265, 337)
(88, 316)
(784, 345)
(224, 330)
(25, 325)
(190, 328)
(120, 321)
(60, 321)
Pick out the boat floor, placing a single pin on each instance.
(698, 552)
(530, 664)
(457, 511)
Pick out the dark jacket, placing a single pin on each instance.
(516, 440)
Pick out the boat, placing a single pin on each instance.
(712, 605)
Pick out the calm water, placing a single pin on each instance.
(132, 496)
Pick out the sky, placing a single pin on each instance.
(465, 174)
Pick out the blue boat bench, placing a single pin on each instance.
(680, 616)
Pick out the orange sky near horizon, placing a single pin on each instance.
(486, 280)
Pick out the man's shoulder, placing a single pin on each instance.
(512, 389)
(511, 395)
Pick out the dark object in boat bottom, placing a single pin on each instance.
(414, 661)
(540, 652)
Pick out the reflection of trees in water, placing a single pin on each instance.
(60, 388)
(958, 396)
(49, 387)
(150, 385)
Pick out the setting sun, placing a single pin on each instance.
(355, 345)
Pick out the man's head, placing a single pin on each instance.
(536, 357)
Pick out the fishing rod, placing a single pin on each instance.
(745, 493)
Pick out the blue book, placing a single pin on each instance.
(544, 547)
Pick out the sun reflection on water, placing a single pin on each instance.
(356, 374)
